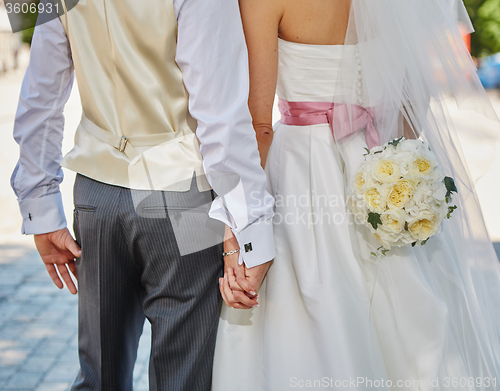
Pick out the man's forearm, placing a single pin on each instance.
(215, 73)
(38, 129)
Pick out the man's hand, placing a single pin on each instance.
(256, 274)
(58, 250)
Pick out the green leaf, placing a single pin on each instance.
(414, 244)
(374, 219)
(451, 209)
(450, 188)
(374, 254)
(367, 152)
(382, 250)
(450, 184)
(396, 141)
(424, 241)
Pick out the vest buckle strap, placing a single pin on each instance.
(123, 144)
(115, 141)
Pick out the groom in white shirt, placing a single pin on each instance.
(164, 89)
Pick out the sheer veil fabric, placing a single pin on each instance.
(412, 64)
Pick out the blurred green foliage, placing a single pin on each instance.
(29, 19)
(27, 35)
(485, 16)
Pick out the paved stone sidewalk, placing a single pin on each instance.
(38, 328)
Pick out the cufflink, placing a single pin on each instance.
(248, 247)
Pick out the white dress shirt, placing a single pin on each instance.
(212, 56)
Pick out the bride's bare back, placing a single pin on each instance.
(316, 22)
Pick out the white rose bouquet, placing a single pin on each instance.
(401, 194)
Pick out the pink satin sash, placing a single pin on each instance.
(348, 119)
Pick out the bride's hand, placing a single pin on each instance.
(235, 289)
(230, 288)
(233, 295)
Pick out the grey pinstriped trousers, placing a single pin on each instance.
(131, 269)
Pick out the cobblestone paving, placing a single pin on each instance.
(38, 328)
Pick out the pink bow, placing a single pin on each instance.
(344, 119)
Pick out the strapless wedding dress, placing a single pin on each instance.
(328, 317)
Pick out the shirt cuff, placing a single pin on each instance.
(42, 215)
(256, 243)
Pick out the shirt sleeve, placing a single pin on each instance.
(38, 129)
(212, 55)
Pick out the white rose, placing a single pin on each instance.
(439, 191)
(400, 193)
(393, 221)
(421, 167)
(410, 145)
(386, 171)
(424, 225)
(375, 200)
(359, 181)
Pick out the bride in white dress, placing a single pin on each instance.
(331, 315)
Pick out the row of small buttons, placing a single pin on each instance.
(359, 76)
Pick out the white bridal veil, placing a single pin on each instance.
(412, 67)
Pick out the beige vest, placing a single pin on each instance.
(136, 129)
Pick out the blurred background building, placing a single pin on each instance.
(10, 44)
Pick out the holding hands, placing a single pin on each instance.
(240, 284)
